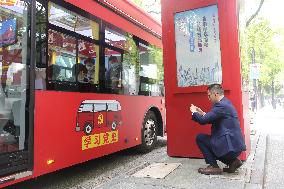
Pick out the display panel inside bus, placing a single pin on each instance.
(8, 32)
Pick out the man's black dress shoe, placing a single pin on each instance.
(233, 166)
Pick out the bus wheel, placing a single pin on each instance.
(149, 133)
(88, 128)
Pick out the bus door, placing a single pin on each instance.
(15, 61)
(100, 117)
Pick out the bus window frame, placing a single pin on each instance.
(75, 9)
(78, 37)
(101, 87)
(75, 83)
(28, 152)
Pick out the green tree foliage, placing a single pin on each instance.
(156, 55)
(138, 2)
(131, 58)
(260, 36)
(153, 7)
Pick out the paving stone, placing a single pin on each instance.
(157, 170)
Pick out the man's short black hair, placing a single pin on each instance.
(216, 88)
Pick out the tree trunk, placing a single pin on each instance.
(260, 95)
(273, 102)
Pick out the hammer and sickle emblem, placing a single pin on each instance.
(100, 119)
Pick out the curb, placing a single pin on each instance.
(257, 170)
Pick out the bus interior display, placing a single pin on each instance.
(8, 32)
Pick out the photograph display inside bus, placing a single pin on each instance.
(8, 32)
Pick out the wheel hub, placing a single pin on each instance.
(149, 131)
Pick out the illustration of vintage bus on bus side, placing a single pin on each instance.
(98, 113)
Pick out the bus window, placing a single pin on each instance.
(62, 53)
(41, 46)
(148, 67)
(115, 38)
(130, 63)
(151, 70)
(53, 72)
(41, 35)
(131, 80)
(113, 66)
(66, 19)
(87, 56)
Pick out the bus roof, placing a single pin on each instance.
(135, 13)
(126, 12)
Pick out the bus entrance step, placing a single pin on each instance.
(15, 176)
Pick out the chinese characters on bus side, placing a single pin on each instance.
(100, 139)
(198, 47)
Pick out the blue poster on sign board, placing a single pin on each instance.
(198, 53)
(8, 32)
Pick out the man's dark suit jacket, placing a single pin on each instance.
(226, 135)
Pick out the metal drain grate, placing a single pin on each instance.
(157, 170)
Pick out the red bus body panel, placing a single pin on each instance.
(181, 129)
(55, 137)
(55, 121)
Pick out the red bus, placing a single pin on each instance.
(79, 80)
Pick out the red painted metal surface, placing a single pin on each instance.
(55, 136)
(181, 129)
(108, 15)
(136, 13)
(57, 139)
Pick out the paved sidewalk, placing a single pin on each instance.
(264, 168)
(249, 176)
(274, 166)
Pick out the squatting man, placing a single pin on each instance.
(226, 141)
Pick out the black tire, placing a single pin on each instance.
(149, 133)
(88, 128)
